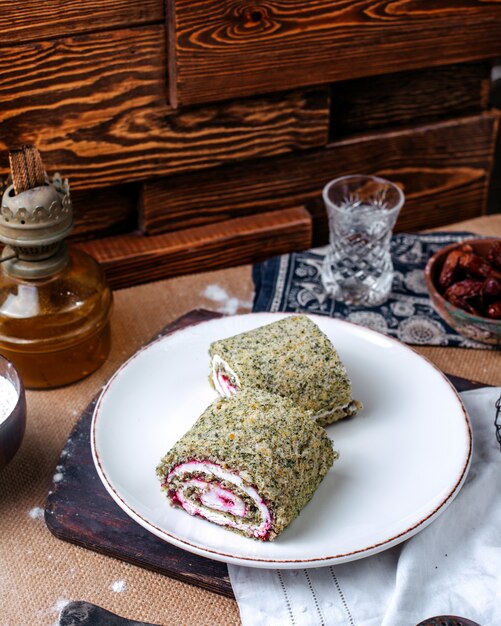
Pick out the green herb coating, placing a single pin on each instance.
(273, 445)
(293, 358)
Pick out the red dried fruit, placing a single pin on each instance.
(461, 293)
(462, 303)
(476, 265)
(491, 289)
(471, 281)
(467, 288)
(449, 268)
(494, 310)
(494, 254)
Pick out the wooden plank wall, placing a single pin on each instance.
(494, 196)
(281, 42)
(442, 167)
(190, 130)
(38, 20)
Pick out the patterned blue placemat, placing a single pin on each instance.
(291, 283)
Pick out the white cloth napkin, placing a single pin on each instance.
(452, 567)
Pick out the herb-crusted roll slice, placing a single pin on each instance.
(291, 357)
(250, 463)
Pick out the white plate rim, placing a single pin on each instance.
(254, 561)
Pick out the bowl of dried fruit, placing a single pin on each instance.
(464, 282)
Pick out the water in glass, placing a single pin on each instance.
(358, 268)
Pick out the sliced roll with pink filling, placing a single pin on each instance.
(250, 463)
(291, 357)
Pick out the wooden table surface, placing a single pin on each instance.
(39, 574)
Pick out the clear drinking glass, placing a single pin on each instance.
(362, 212)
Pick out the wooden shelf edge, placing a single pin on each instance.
(133, 258)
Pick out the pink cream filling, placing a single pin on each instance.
(214, 502)
(224, 382)
(222, 377)
(213, 496)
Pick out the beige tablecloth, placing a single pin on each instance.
(39, 573)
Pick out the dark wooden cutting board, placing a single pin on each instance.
(79, 509)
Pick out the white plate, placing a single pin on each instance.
(403, 458)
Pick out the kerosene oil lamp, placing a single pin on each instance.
(55, 304)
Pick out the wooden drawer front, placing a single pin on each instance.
(443, 168)
(224, 49)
